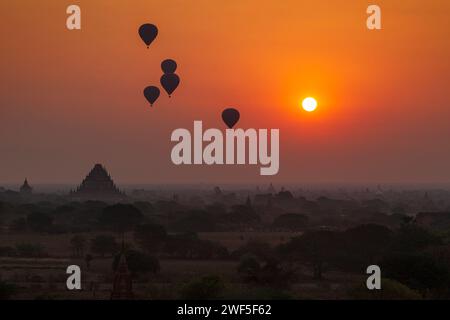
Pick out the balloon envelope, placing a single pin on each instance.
(170, 82)
(230, 116)
(151, 93)
(168, 66)
(148, 33)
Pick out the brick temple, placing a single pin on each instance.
(98, 185)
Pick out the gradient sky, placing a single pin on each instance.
(70, 99)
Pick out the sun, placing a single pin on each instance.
(309, 104)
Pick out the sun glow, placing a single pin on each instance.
(309, 104)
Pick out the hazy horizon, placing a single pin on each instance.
(52, 187)
(70, 99)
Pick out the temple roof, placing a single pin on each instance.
(25, 187)
(98, 184)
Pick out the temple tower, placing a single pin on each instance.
(26, 189)
(98, 185)
(122, 285)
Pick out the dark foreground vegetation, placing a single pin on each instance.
(220, 246)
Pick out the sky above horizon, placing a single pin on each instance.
(70, 99)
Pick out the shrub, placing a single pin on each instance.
(390, 290)
(208, 287)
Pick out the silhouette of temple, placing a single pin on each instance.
(98, 185)
(122, 286)
(271, 189)
(26, 189)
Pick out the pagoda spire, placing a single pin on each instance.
(26, 189)
(122, 285)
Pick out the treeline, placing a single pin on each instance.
(283, 213)
(414, 257)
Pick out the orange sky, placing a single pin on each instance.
(69, 99)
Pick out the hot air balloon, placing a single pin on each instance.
(151, 93)
(168, 66)
(148, 33)
(230, 116)
(170, 82)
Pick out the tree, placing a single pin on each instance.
(39, 221)
(259, 249)
(249, 268)
(291, 221)
(120, 217)
(78, 244)
(420, 271)
(195, 221)
(241, 215)
(103, 245)
(411, 238)
(362, 246)
(269, 272)
(207, 287)
(284, 195)
(215, 209)
(190, 247)
(276, 274)
(150, 236)
(144, 207)
(316, 248)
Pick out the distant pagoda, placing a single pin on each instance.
(26, 189)
(122, 286)
(98, 185)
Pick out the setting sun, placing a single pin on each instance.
(309, 104)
